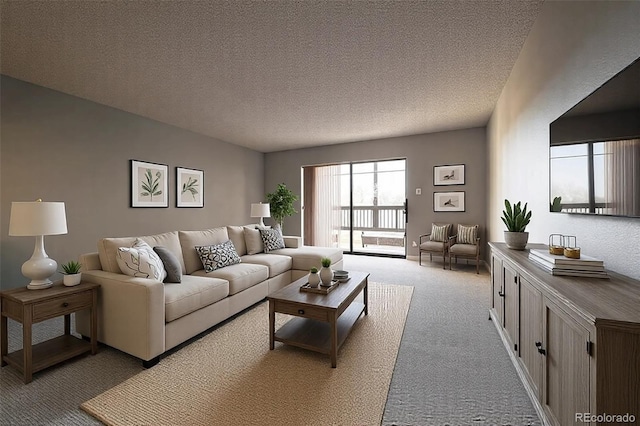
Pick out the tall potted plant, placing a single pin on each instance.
(516, 219)
(281, 203)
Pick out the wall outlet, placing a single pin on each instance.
(418, 191)
(413, 244)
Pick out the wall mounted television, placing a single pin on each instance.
(594, 151)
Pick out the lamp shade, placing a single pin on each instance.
(33, 218)
(260, 210)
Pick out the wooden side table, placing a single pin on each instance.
(32, 306)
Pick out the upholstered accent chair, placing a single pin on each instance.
(435, 242)
(465, 244)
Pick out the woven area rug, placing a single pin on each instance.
(231, 377)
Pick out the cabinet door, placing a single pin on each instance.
(531, 333)
(511, 305)
(497, 300)
(565, 366)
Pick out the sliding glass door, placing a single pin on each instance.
(359, 207)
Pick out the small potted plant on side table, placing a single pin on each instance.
(516, 219)
(72, 275)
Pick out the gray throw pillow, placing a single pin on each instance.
(171, 264)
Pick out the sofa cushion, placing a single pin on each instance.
(253, 240)
(108, 248)
(236, 235)
(271, 239)
(192, 294)
(240, 276)
(171, 264)
(307, 257)
(218, 256)
(276, 263)
(190, 239)
(141, 261)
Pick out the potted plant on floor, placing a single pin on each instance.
(516, 219)
(71, 271)
(281, 204)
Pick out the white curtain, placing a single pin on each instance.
(622, 177)
(322, 206)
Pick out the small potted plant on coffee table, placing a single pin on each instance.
(71, 271)
(314, 279)
(326, 274)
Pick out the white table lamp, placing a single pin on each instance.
(260, 210)
(37, 219)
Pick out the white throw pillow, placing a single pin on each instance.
(140, 260)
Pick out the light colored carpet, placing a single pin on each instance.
(231, 377)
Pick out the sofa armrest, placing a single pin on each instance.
(292, 241)
(130, 313)
(90, 261)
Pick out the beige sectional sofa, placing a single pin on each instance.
(145, 317)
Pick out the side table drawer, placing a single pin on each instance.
(61, 305)
(301, 311)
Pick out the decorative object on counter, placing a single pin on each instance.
(326, 274)
(341, 276)
(314, 278)
(560, 265)
(37, 219)
(516, 219)
(571, 250)
(71, 273)
(281, 203)
(556, 244)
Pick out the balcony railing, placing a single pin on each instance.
(373, 218)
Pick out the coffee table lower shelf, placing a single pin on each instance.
(315, 335)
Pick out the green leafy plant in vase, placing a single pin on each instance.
(72, 274)
(516, 218)
(326, 274)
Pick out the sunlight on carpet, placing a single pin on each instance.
(231, 377)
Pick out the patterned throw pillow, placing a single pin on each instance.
(140, 260)
(218, 256)
(467, 234)
(272, 239)
(439, 232)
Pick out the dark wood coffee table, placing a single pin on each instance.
(323, 320)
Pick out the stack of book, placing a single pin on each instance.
(559, 265)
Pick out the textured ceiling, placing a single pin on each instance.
(275, 75)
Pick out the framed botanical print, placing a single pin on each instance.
(448, 175)
(149, 184)
(448, 201)
(189, 187)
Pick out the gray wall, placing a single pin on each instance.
(62, 148)
(573, 48)
(422, 153)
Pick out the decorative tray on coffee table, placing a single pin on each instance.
(321, 289)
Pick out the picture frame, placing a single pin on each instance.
(149, 184)
(448, 175)
(449, 201)
(189, 187)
